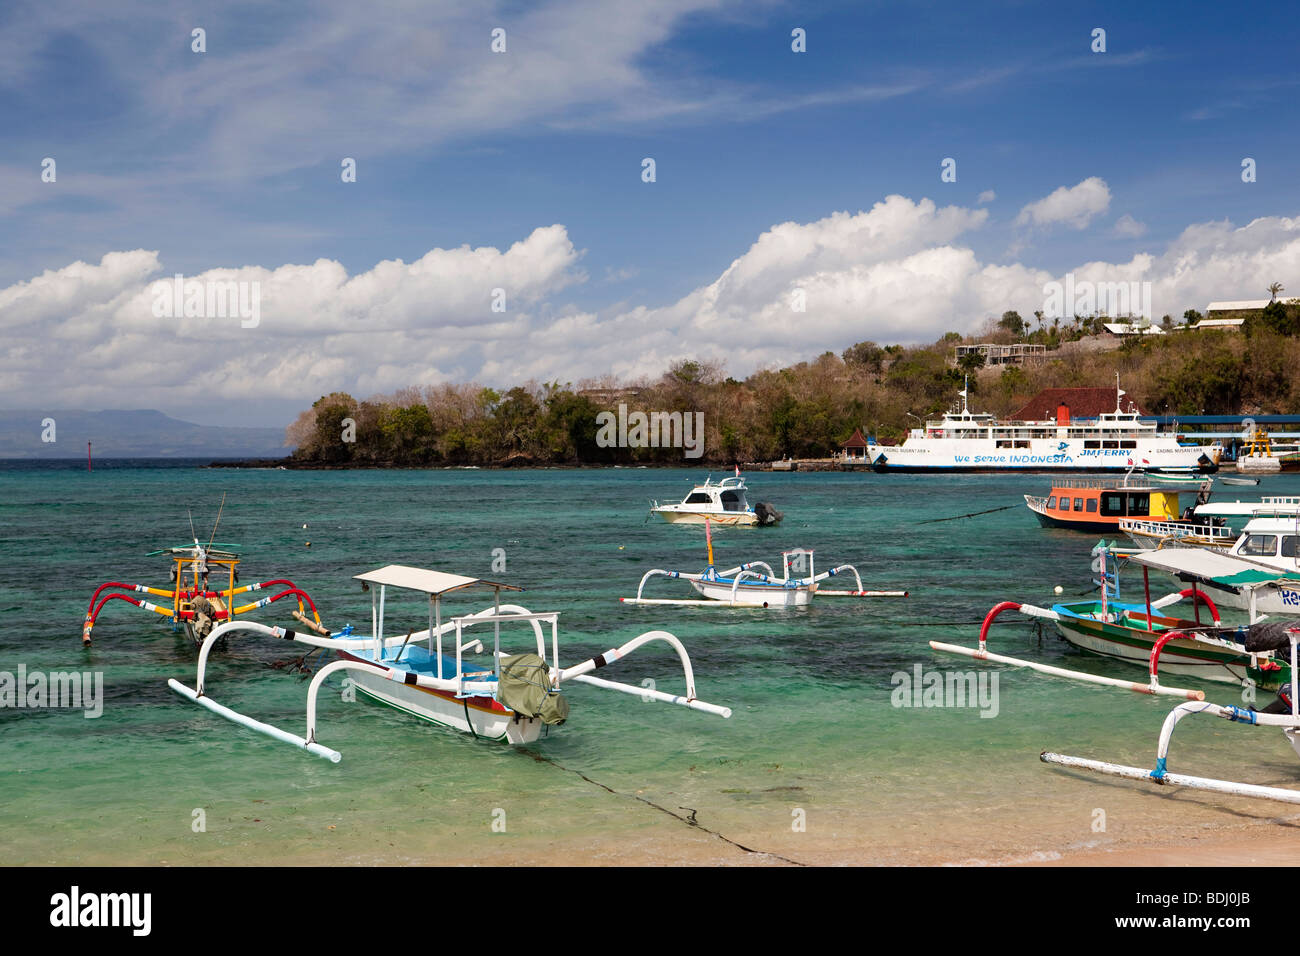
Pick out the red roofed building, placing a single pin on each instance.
(855, 447)
(1080, 403)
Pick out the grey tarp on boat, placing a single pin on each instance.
(1269, 636)
(526, 689)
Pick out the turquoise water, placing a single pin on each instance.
(814, 738)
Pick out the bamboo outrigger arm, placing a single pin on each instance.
(984, 654)
(1161, 775)
(178, 613)
(459, 685)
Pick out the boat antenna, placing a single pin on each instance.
(218, 521)
(192, 534)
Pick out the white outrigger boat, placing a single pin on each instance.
(722, 502)
(503, 698)
(756, 585)
(1289, 722)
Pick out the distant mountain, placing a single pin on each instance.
(143, 433)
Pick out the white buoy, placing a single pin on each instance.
(1059, 589)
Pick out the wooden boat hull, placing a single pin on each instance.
(1179, 656)
(481, 716)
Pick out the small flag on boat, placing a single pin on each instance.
(737, 471)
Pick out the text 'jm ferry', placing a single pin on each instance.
(1111, 441)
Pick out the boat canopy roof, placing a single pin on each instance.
(1211, 566)
(430, 582)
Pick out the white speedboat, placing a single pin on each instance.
(722, 502)
(963, 440)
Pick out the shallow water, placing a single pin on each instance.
(814, 739)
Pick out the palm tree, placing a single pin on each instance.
(1273, 290)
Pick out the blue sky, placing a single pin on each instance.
(230, 160)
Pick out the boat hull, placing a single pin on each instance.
(1179, 656)
(767, 595)
(1052, 455)
(724, 518)
(480, 716)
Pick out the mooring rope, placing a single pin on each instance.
(689, 821)
(971, 515)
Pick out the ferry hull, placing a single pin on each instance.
(481, 716)
(1054, 456)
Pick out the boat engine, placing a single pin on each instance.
(766, 514)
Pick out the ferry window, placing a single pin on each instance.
(1288, 545)
(1022, 444)
(1092, 443)
(697, 498)
(1139, 504)
(1051, 502)
(1078, 504)
(1128, 444)
(730, 501)
(1065, 503)
(1260, 544)
(1092, 504)
(1112, 503)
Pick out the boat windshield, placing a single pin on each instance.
(1259, 545)
(731, 501)
(697, 498)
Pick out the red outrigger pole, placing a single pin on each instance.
(192, 602)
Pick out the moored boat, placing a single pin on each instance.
(1100, 504)
(755, 584)
(962, 440)
(508, 698)
(722, 502)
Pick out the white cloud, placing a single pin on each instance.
(1129, 227)
(85, 335)
(1074, 206)
(987, 196)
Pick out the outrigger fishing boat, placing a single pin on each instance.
(756, 585)
(509, 698)
(1134, 632)
(1286, 717)
(194, 604)
(722, 502)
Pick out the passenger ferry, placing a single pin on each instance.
(1113, 441)
(1101, 504)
